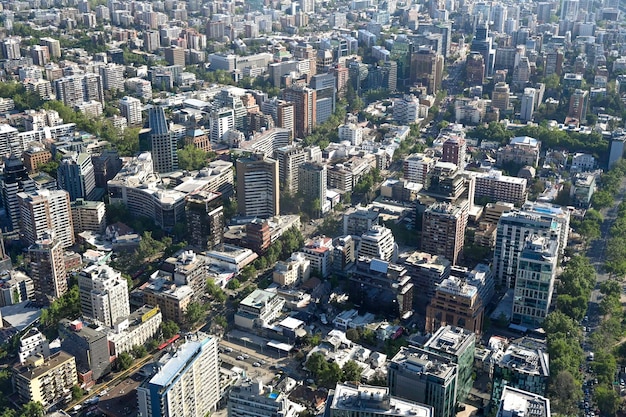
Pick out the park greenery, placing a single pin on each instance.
(327, 374)
(551, 138)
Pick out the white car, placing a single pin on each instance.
(240, 358)
(256, 364)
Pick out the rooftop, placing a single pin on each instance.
(517, 402)
(450, 339)
(176, 364)
(526, 357)
(258, 298)
(420, 361)
(31, 372)
(377, 400)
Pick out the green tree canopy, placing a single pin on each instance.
(191, 158)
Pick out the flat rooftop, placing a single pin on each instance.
(376, 400)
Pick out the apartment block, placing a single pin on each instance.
(44, 211)
(254, 399)
(257, 186)
(516, 402)
(90, 347)
(88, 216)
(137, 329)
(289, 159)
(455, 303)
(15, 287)
(46, 380)
(378, 243)
(187, 383)
(103, 294)
(294, 270)
(427, 272)
(443, 230)
(171, 299)
(495, 186)
(534, 283)
(47, 268)
(515, 227)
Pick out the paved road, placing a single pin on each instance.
(597, 251)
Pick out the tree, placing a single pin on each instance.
(191, 158)
(169, 329)
(33, 409)
(77, 392)
(233, 284)
(215, 291)
(352, 372)
(194, 313)
(139, 351)
(607, 399)
(353, 335)
(565, 393)
(125, 361)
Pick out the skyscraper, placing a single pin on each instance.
(515, 227)
(528, 104)
(164, 141)
(14, 181)
(443, 229)
(103, 294)
(534, 283)
(204, 212)
(76, 175)
(257, 186)
(47, 268)
(427, 69)
(46, 210)
(187, 383)
(304, 100)
(483, 44)
(289, 159)
(312, 184)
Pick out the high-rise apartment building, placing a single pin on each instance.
(443, 229)
(304, 100)
(500, 96)
(112, 76)
(40, 55)
(130, 107)
(15, 180)
(578, 103)
(312, 183)
(175, 55)
(289, 159)
(88, 216)
(528, 104)
(164, 141)
(534, 283)
(257, 186)
(424, 377)
(417, 167)
(455, 303)
(515, 227)
(495, 186)
(54, 46)
(187, 384)
(47, 268)
(378, 243)
(103, 294)
(76, 176)
(11, 48)
(204, 212)
(427, 272)
(73, 90)
(46, 210)
(454, 150)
